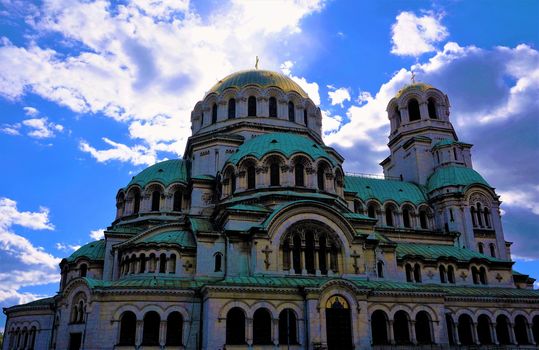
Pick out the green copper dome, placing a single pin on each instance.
(454, 176)
(91, 251)
(260, 78)
(166, 173)
(285, 144)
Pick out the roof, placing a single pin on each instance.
(200, 224)
(383, 190)
(182, 238)
(447, 142)
(260, 78)
(248, 207)
(415, 86)
(91, 251)
(453, 175)
(166, 173)
(286, 144)
(437, 251)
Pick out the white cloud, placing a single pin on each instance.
(152, 61)
(413, 35)
(312, 89)
(31, 111)
(330, 123)
(11, 129)
(41, 128)
(137, 154)
(66, 247)
(97, 234)
(521, 198)
(338, 96)
(23, 264)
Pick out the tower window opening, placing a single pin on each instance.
(232, 182)
(320, 178)
(479, 218)
(136, 202)
(455, 153)
(472, 213)
(389, 216)
(486, 215)
(273, 107)
(251, 177)
(156, 198)
(442, 274)
(371, 211)
(299, 174)
(162, 263)
(275, 174)
(417, 273)
(451, 274)
(413, 110)
(305, 117)
(232, 108)
(409, 273)
(251, 106)
(291, 111)
(218, 262)
(492, 250)
(380, 269)
(480, 248)
(398, 117)
(214, 113)
(406, 218)
(83, 270)
(431, 105)
(177, 201)
(423, 220)
(451, 218)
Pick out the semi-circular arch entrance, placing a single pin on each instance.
(338, 323)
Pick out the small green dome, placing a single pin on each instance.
(415, 86)
(283, 143)
(166, 173)
(260, 78)
(454, 176)
(92, 251)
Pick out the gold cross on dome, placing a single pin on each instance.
(413, 77)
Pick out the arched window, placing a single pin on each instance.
(172, 263)
(492, 250)
(309, 254)
(417, 273)
(235, 326)
(251, 177)
(480, 248)
(305, 117)
(275, 175)
(232, 108)
(389, 215)
(322, 254)
(486, 215)
(291, 111)
(296, 254)
(142, 267)
(423, 220)
(409, 273)
(371, 211)
(380, 269)
(288, 333)
(465, 325)
(156, 199)
(136, 202)
(32, 341)
(450, 326)
(431, 105)
(475, 275)
(150, 329)
(422, 328)
(299, 174)
(400, 328)
(442, 274)
(357, 207)
(232, 182)
(483, 330)
(152, 263)
(472, 213)
(273, 107)
(177, 201)
(162, 263)
(262, 327)
(379, 328)
(83, 270)
(251, 106)
(81, 312)
(502, 330)
(128, 327)
(406, 217)
(320, 178)
(398, 117)
(214, 113)
(535, 328)
(413, 110)
(479, 216)
(483, 275)
(451, 274)
(218, 261)
(174, 329)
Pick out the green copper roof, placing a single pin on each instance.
(283, 143)
(166, 173)
(92, 251)
(384, 190)
(454, 176)
(199, 224)
(145, 281)
(260, 78)
(415, 86)
(183, 238)
(249, 207)
(447, 142)
(436, 251)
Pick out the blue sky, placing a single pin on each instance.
(93, 92)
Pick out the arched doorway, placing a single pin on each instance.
(338, 323)
(465, 330)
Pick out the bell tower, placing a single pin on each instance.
(421, 134)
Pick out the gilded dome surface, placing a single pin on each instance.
(415, 86)
(260, 78)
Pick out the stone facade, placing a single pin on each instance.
(258, 239)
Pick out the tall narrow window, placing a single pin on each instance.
(232, 183)
(299, 174)
(251, 106)
(83, 270)
(398, 116)
(483, 275)
(480, 248)
(357, 207)
(475, 275)
(442, 274)
(322, 255)
(273, 107)
(451, 274)
(136, 202)
(309, 253)
(251, 177)
(214, 113)
(142, 266)
(431, 105)
(305, 117)
(423, 220)
(156, 198)
(235, 326)
(128, 325)
(409, 273)
(177, 201)
(486, 215)
(455, 154)
(380, 269)
(472, 213)
(479, 212)
(174, 329)
(417, 273)
(150, 329)
(162, 263)
(492, 250)
(218, 262)
(413, 110)
(291, 111)
(262, 327)
(371, 212)
(288, 334)
(275, 174)
(296, 254)
(320, 177)
(172, 263)
(232, 108)
(406, 217)
(389, 216)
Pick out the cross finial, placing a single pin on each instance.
(413, 77)
(256, 63)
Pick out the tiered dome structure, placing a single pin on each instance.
(258, 239)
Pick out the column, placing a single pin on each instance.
(275, 331)
(456, 333)
(163, 332)
(530, 334)
(493, 334)
(138, 333)
(391, 332)
(316, 260)
(302, 253)
(512, 339)
(412, 331)
(249, 333)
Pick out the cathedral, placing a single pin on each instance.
(258, 239)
